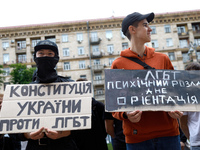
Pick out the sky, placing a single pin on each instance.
(27, 12)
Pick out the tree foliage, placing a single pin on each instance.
(21, 74)
(1, 75)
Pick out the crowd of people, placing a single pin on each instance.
(134, 130)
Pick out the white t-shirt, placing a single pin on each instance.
(194, 127)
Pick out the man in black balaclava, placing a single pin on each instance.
(46, 58)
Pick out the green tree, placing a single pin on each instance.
(1, 75)
(21, 74)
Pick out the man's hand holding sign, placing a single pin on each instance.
(49, 133)
(134, 116)
(175, 114)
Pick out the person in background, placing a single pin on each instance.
(1, 100)
(94, 138)
(146, 130)
(184, 140)
(190, 121)
(114, 129)
(46, 57)
(9, 141)
(1, 135)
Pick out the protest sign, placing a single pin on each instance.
(156, 90)
(57, 106)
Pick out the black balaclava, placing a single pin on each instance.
(46, 72)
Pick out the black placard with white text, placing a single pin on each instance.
(165, 90)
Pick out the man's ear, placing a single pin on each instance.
(131, 29)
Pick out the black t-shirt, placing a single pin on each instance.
(117, 127)
(94, 138)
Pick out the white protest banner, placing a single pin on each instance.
(57, 106)
(156, 90)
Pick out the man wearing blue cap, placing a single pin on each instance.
(145, 130)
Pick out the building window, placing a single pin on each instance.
(196, 27)
(153, 30)
(186, 58)
(110, 48)
(34, 42)
(6, 71)
(97, 62)
(94, 37)
(169, 42)
(21, 58)
(154, 43)
(83, 76)
(65, 51)
(198, 55)
(64, 38)
(5, 45)
(124, 45)
(82, 64)
(67, 66)
(81, 51)
(122, 34)
(183, 43)
(171, 55)
(95, 48)
(21, 45)
(98, 76)
(5, 58)
(167, 28)
(79, 37)
(111, 61)
(99, 91)
(181, 29)
(197, 42)
(51, 38)
(109, 34)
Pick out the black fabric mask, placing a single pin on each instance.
(46, 72)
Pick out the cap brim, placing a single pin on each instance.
(149, 17)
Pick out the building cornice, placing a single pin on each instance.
(54, 28)
(94, 24)
(177, 17)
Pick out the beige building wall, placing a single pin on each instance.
(177, 22)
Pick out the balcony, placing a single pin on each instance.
(20, 50)
(97, 54)
(98, 82)
(99, 97)
(196, 32)
(98, 67)
(95, 40)
(183, 35)
(21, 61)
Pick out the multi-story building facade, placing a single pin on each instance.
(86, 48)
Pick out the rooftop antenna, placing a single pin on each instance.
(113, 13)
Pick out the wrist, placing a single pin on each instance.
(27, 135)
